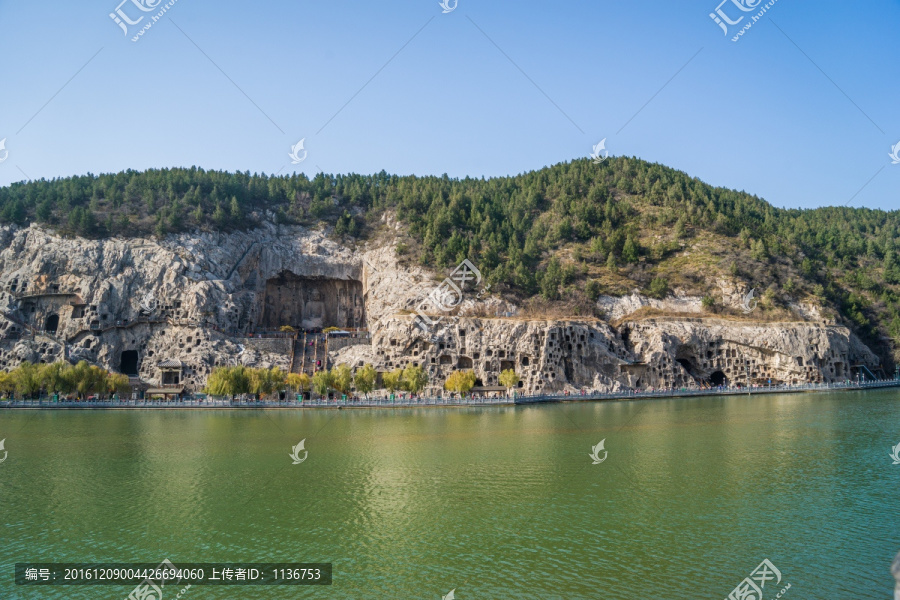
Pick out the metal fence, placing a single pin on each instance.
(446, 401)
(717, 391)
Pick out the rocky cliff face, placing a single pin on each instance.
(129, 304)
(659, 353)
(204, 299)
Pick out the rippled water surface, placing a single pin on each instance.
(500, 502)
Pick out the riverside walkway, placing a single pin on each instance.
(225, 403)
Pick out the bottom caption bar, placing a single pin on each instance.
(158, 576)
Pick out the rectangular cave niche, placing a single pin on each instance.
(312, 302)
(128, 363)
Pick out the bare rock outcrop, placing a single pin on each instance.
(209, 299)
(615, 308)
(558, 355)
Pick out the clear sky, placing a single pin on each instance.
(803, 110)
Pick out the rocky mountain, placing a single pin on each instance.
(575, 239)
(170, 310)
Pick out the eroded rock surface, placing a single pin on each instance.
(205, 299)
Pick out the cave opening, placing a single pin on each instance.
(626, 337)
(51, 324)
(312, 303)
(128, 363)
(718, 378)
(688, 366)
(569, 370)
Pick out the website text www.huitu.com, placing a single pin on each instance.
(153, 20)
(753, 20)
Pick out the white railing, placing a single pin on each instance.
(446, 401)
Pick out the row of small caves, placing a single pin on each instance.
(550, 362)
(712, 363)
(721, 362)
(313, 303)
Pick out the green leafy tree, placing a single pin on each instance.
(218, 383)
(229, 381)
(758, 251)
(235, 210)
(265, 381)
(414, 379)
(509, 379)
(342, 379)
(298, 382)
(460, 381)
(365, 379)
(56, 377)
(393, 380)
(27, 378)
(322, 382)
(611, 261)
(659, 287)
(7, 383)
(551, 280)
(630, 250)
(220, 217)
(118, 383)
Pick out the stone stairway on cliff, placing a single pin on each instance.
(309, 352)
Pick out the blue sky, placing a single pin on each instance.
(801, 111)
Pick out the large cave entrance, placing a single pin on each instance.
(686, 356)
(686, 364)
(313, 302)
(128, 364)
(51, 324)
(718, 378)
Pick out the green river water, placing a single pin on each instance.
(495, 502)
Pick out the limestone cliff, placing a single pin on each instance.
(212, 299)
(660, 353)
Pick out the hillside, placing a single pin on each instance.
(554, 239)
